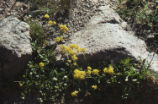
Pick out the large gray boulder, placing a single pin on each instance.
(106, 38)
(15, 47)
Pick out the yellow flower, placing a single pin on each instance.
(75, 64)
(89, 68)
(54, 23)
(79, 74)
(46, 42)
(71, 52)
(95, 71)
(41, 64)
(69, 61)
(82, 49)
(74, 93)
(72, 45)
(82, 75)
(88, 72)
(94, 87)
(46, 16)
(65, 49)
(105, 70)
(62, 47)
(21, 83)
(76, 71)
(109, 70)
(74, 57)
(51, 23)
(76, 46)
(78, 50)
(157, 7)
(63, 28)
(76, 76)
(59, 39)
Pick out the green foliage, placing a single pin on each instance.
(43, 79)
(36, 31)
(118, 88)
(141, 14)
(51, 6)
(46, 82)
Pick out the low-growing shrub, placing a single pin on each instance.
(142, 14)
(50, 81)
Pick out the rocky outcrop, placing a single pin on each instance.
(15, 47)
(106, 37)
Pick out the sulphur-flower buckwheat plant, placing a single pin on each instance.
(72, 78)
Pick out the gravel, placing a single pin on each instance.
(82, 13)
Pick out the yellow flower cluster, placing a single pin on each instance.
(41, 64)
(78, 74)
(74, 93)
(109, 70)
(74, 57)
(46, 16)
(63, 28)
(81, 50)
(59, 39)
(74, 46)
(95, 72)
(71, 50)
(94, 87)
(52, 23)
(89, 70)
